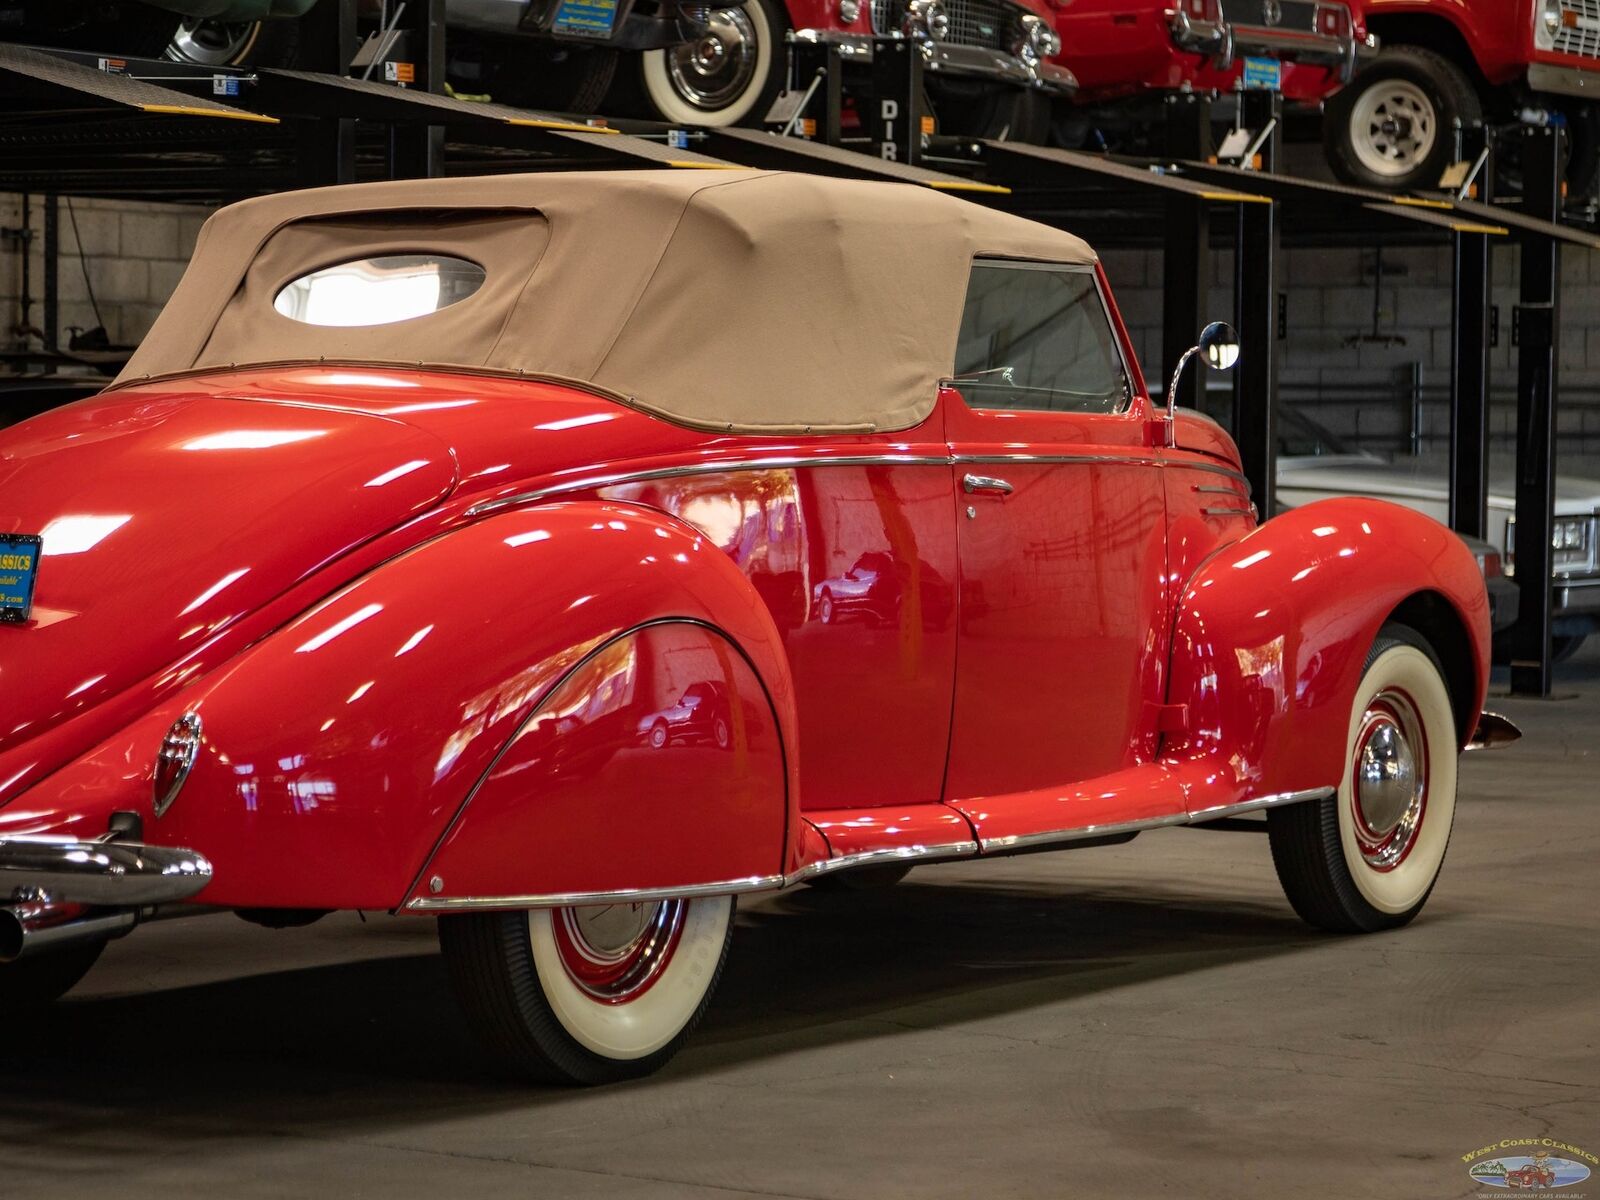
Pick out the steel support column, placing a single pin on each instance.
(895, 111)
(328, 145)
(1186, 250)
(1255, 298)
(1470, 301)
(1537, 328)
(417, 151)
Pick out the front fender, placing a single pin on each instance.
(1273, 631)
(338, 750)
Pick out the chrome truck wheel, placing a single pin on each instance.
(592, 993)
(727, 76)
(1391, 128)
(1367, 858)
(234, 43)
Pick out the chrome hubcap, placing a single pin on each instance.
(1393, 128)
(1389, 789)
(614, 952)
(715, 70)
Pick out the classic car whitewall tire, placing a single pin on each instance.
(588, 995)
(1367, 858)
(728, 77)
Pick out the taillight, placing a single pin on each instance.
(1203, 10)
(1333, 20)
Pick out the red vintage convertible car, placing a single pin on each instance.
(356, 590)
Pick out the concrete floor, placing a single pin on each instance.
(1142, 1020)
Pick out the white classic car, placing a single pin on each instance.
(1314, 464)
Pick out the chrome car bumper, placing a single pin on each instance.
(1228, 42)
(113, 874)
(951, 58)
(1573, 596)
(1564, 81)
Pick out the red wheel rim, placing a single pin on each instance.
(1389, 779)
(616, 952)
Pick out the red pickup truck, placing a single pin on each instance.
(1448, 59)
(1116, 48)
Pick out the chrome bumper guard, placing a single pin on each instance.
(952, 58)
(1227, 43)
(114, 874)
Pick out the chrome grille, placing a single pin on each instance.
(1585, 39)
(991, 24)
(1298, 15)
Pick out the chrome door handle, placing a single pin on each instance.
(985, 483)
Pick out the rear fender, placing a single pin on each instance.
(338, 751)
(1273, 631)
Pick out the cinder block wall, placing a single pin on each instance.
(1355, 385)
(133, 255)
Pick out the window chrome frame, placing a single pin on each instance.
(1057, 268)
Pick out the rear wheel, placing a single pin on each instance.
(730, 75)
(1367, 858)
(32, 983)
(1392, 128)
(589, 994)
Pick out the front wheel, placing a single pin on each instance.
(590, 994)
(206, 43)
(1367, 858)
(1393, 127)
(730, 75)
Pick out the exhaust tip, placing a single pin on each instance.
(11, 936)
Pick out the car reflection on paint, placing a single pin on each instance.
(874, 589)
(702, 714)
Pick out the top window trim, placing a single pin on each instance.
(1061, 268)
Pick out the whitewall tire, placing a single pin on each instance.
(1367, 858)
(591, 994)
(730, 76)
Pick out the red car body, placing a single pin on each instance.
(361, 644)
(1503, 37)
(1118, 49)
(314, 635)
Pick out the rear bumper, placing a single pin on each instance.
(116, 874)
(953, 59)
(1505, 601)
(1572, 597)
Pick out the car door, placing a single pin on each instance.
(1061, 540)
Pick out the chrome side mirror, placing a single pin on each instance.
(1220, 345)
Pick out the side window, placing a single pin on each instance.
(1037, 337)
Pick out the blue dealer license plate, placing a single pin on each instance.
(1263, 73)
(19, 567)
(585, 18)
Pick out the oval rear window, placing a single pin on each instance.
(380, 290)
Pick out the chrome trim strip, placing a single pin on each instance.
(1054, 458)
(123, 874)
(1084, 832)
(1218, 491)
(1214, 468)
(1224, 511)
(726, 887)
(914, 853)
(786, 462)
(778, 462)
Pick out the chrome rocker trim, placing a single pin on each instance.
(119, 874)
(1493, 732)
(1084, 832)
(917, 854)
(727, 887)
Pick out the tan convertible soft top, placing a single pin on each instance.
(734, 300)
